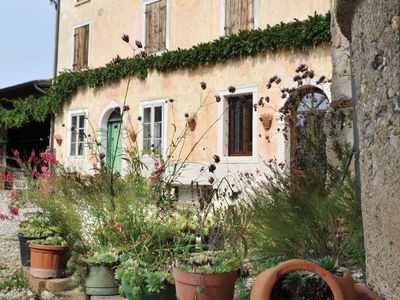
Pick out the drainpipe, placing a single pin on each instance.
(57, 5)
(356, 137)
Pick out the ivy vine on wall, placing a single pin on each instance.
(301, 35)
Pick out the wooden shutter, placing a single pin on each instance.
(81, 47)
(239, 15)
(156, 26)
(162, 21)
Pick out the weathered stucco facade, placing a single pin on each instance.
(187, 24)
(374, 30)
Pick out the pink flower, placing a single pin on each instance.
(47, 157)
(13, 210)
(9, 176)
(45, 171)
(30, 159)
(14, 194)
(120, 228)
(15, 153)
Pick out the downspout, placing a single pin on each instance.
(57, 5)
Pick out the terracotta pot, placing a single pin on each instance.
(343, 288)
(47, 261)
(203, 286)
(101, 282)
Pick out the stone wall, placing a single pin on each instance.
(374, 27)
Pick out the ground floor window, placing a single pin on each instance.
(77, 137)
(153, 128)
(240, 125)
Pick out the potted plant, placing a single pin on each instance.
(144, 281)
(32, 229)
(101, 270)
(48, 256)
(209, 275)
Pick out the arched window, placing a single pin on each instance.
(307, 136)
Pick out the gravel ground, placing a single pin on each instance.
(9, 249)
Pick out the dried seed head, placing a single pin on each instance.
(216, 158)
(125, 38)
(125, 108)
(217, 98)
(212, 168)
(139, 44)
(231, 89)
(139, 118)
(203, 85)
(186, 115)
(116, 60)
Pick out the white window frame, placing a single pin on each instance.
(223, 126)
(73, 42)
(152, 104)
(223, 16)
(167, 29)
(72, 113)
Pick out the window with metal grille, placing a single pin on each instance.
(156, 26)
(240, 123)
(307, 136)
(239, 15)
(81, 47)
(77, 139)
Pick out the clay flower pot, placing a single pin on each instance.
(203, 286)
(343, 288)
(47, 261)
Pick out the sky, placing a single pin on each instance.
(26, 41)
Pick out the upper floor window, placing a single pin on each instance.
(81, 47)
(77, 137)
(240, 125)
(307, 136)
(153, 128)
(155, 26)
(239, 15)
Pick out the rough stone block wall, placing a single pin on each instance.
(376, 56)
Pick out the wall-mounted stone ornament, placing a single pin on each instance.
(266, 120)
(58, 139)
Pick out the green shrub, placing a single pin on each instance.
(15, 281)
